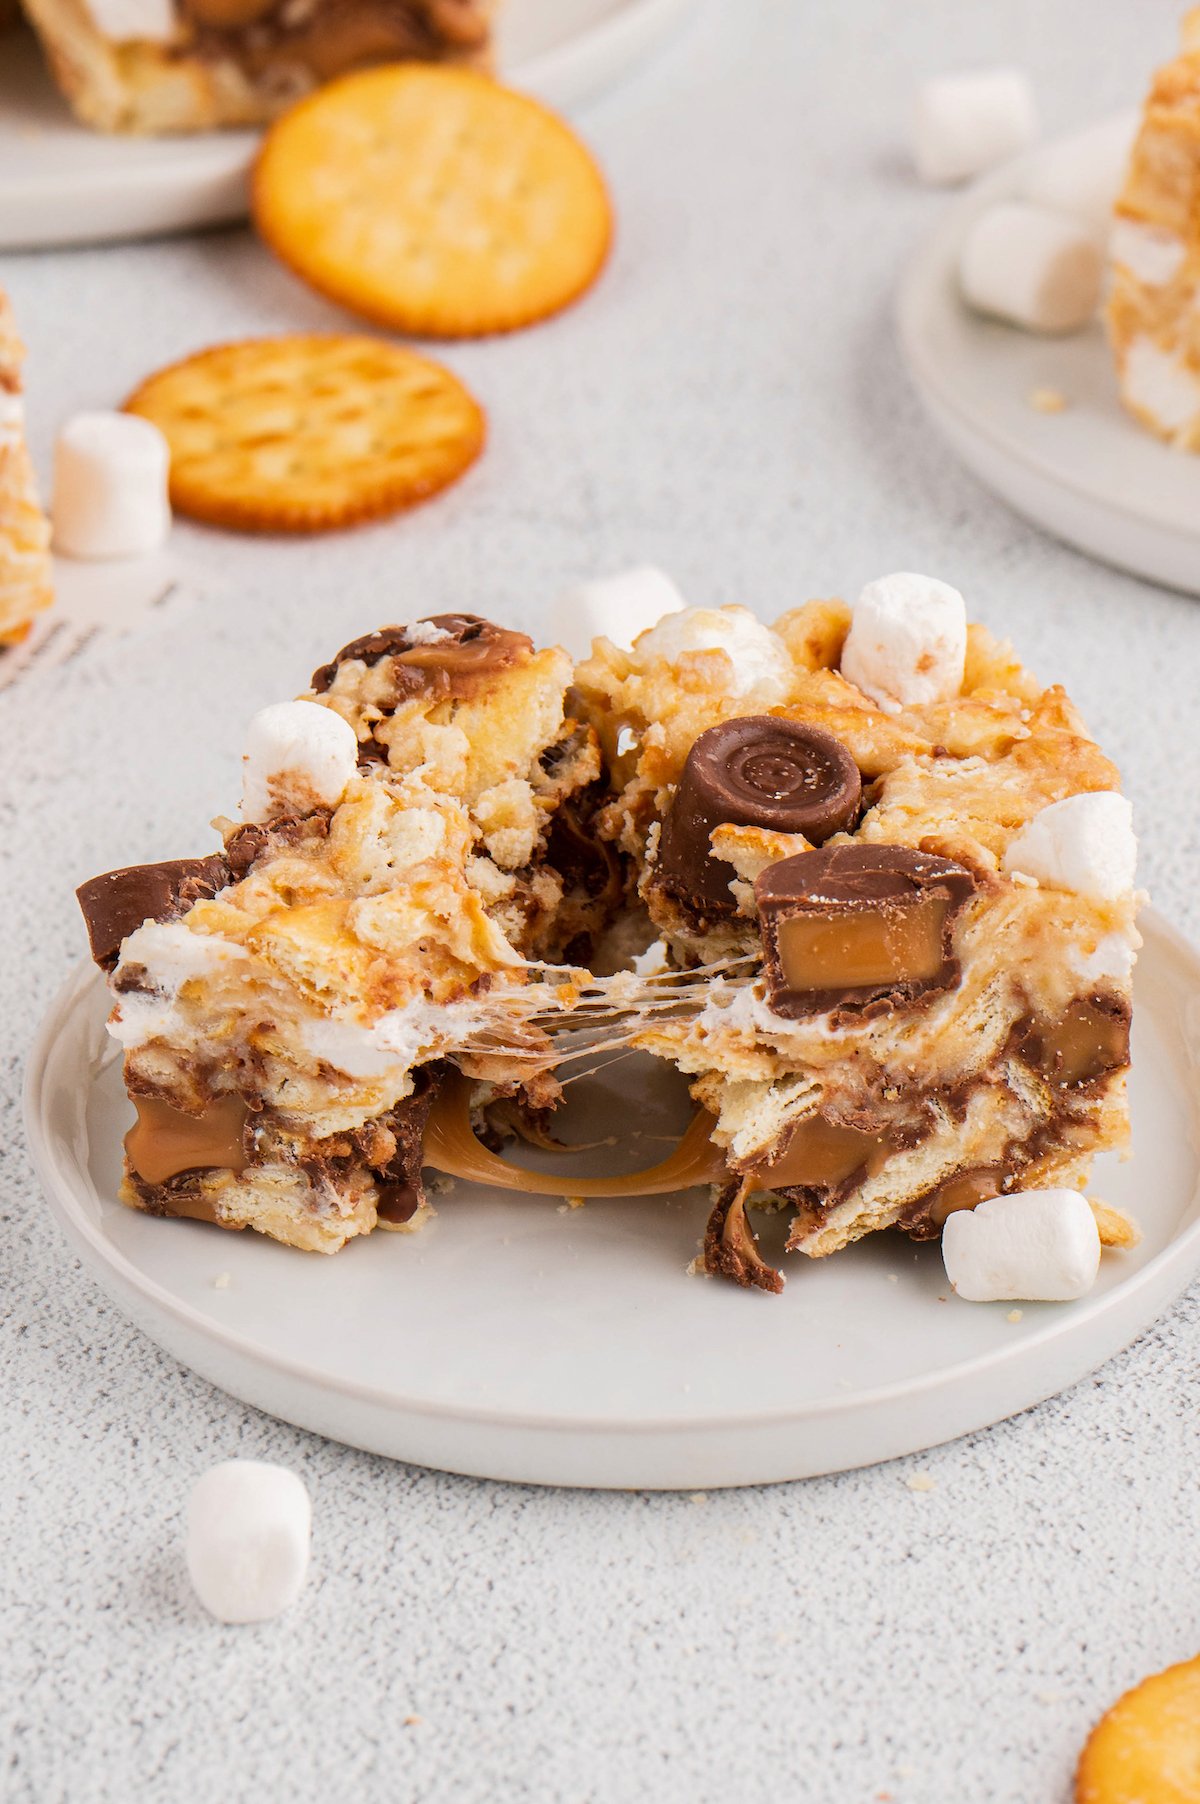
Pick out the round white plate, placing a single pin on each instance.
(516, 1339)
(1090, 474)
(63, 184)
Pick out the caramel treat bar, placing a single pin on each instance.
(390, 966)
(191, 65)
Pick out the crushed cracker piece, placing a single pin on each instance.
(1047, 400)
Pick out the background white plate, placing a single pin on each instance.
(63, 184)
(1090, 474)
(511, 1339)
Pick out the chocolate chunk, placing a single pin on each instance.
(859, 928)
(400, 1190)
(759, 771)
(116, 904)
(472, 648)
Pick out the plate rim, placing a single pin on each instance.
(923, 274)
(1182, 1251)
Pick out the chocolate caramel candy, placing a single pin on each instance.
(467, 649)
(118, 902)
(852, 926)
(759, 771)
(1089, 1040)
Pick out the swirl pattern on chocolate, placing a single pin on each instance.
(758, 771)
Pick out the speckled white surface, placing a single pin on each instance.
(727, 404)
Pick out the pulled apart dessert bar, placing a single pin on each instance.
(1155, 255)
(890, 878)
(191, 65)
(26, 584)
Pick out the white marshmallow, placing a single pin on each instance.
(1037, 1246)
(761, 665)
(110, 486)
(964, 124)
(131, 21)
(1155, 383)
(907, 643)
(1083, 176)
(249, 1525)
(1032, 267)
(617, 607)
(1150, 254)
(299, 756)
(1084, 843)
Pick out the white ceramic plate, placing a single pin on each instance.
(62, 184)
(1090, 474)
(511, 1339)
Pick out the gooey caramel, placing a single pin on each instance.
(821, 1154)
(164, 1141)
(860, 948)
(1086, 1041)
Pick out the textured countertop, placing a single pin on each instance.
(728, 403)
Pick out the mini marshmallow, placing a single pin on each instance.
(1031, 266)
(1084, 843)
(110, 486)
(1156, 383)
(761, 665)
(1083, 176)
(617, 607)
(1036, 1246)
(299, 756)
(134, 21)
(249, 1525)
(964, 124)
(907, 643)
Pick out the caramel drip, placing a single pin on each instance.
(164, 1141)
(451, 1146)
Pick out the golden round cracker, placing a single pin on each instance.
(433, 201)
(308, 432)
(1147, 1749)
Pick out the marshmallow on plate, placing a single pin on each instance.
(963, 124)
(1082, 176)
(249, 1525)
(761, 665)
(1031, 266)
(617, 607)
(110, 486)
(1036, 1246)
(1084, 843)
(907, 643)
(299, 756)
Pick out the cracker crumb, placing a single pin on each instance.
(222, 1281)
(410, 1722)
(1048, 1697)
(697, 1267)
(1015, 1315)
(921, 1481)
(697, 1496)
(893, 1277)
(574, 1202)
(1047, 400)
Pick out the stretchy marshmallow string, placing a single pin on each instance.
(451, 1146)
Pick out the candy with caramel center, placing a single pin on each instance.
(759, 771)
(163, 1142)
(852, 926)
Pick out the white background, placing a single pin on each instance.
(728, 403)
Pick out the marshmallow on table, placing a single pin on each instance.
(617, 607)
(299, 756)
(1084, 843)
(249, 1525)
(964, 124)
(1031, 266)
(110, 486)
(1036, 1246)
(907, 643)
(761, 664)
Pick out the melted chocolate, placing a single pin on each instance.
(472, 650)
(115, 904)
